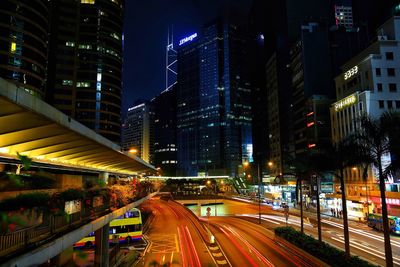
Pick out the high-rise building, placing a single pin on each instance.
(85, 62)
(213, 101)
(344, 13)
(137, 132)
(368, 84)
(287, 18)
(311, 85)
(164, 121)
(187, 111)
(23, 46)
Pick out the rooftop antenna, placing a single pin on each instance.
(171, 58)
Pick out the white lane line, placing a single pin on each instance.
(367, 251)
(361, 232)
(256, 216)
(290, 221)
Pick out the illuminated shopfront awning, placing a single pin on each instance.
(31, 127)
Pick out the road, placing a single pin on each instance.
(173, 237)
(364, 241)
(178, 240)
(248, 244)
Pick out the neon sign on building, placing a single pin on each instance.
(348, 101)
(187, 39)
(351, 72)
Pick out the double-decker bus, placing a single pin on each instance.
(126, 229)
(375, 221)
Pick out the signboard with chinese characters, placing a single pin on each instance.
(351, 72)
(187, 39)
(345, 102)
(326, 187)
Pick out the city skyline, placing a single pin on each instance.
(147, 48)
(266, 134)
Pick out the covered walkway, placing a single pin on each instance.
(31, 127)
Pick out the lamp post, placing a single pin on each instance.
(259, 193)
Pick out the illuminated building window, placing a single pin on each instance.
(71, 44)
(114, 35)
(85, 46)
(13, 47)
(82, 84)
(87, 2)
(67, 82)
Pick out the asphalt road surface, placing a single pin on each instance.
(364, 241)
(248, 244)
(174, 238)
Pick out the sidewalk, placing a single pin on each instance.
(313, 215)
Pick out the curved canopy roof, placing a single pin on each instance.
(31, 127)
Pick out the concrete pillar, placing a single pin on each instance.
(101, 257)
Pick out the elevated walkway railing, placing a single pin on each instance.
(46, 242)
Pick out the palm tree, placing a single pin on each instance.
(378, 138)
(300, 168)
(335, 159)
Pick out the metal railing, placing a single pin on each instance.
(14, 242)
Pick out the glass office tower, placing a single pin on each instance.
(214, 102)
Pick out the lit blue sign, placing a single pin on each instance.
(188, 39)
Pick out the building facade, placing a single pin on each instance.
(24, 27)
(137, 131)
(85, 62)
(187, 111)
(213, 102)
(369, 84)
(311, 87)
(344, 14)
(165, 143)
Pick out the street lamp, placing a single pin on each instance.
(133, 151)
(259, 193)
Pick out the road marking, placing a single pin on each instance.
(163, 243)
(366, 249)
(223, 262)
(361, 232)
(219, 254)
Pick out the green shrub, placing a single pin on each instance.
(38, 181)
(72, 194)
(25, 201)
(321, 250)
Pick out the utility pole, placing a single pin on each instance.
(259, 193)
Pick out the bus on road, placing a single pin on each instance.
(375, 221)
(125, 229)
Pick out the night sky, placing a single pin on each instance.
(145, 32)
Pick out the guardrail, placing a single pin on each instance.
(14, 242)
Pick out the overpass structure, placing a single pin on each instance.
(31, 127)
(187, 177)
